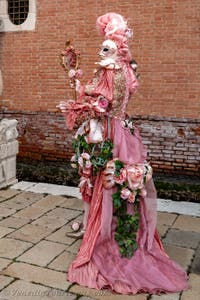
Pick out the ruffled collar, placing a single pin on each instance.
(109, 63)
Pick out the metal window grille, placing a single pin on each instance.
(18, 11)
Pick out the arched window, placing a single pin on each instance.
(18, 11)
(17, 15)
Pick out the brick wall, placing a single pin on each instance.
(173, 144)
(166, 46)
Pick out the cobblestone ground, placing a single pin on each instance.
(35, 253)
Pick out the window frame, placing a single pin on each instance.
(6, 24)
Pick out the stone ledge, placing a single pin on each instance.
(8, 150)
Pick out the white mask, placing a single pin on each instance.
(108, 50)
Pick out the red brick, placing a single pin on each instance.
(165, 45)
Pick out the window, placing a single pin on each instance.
(17, 15)
(18, 11)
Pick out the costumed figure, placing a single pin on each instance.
(121, 249)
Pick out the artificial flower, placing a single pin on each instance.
(102, 102)
(131, 197)
(79, 73)
(72, 73)
(122, 177)
(135, 175)
(85, 155)
(125, 193)
(88, 164)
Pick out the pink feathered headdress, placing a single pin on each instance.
(114, 27)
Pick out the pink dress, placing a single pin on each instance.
(98, 263)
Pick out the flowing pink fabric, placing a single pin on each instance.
(98, 263)
(105, 84)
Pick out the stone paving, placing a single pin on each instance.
(35, 253)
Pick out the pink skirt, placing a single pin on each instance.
(98, 263)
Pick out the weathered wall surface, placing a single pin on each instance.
(173, 144)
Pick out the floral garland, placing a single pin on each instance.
(130, 182)
(90, 155)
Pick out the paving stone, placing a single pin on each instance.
(31, 212)
(182, 256)
(50, 201)
(6, 194)
(181, 238)
(194, 291)
(22, 185)
(14, 222)
(37, 274)
(162, 229)
(49, 222)
(73, 203)
(2, 199)
(179, 207)
(86, 298)
(60, 235)
(170, 296)
(87, 292)
(187, 223)
(196, 262)
(104, 294)
(16, 203)
(64, 213)
(22, 290)
(5, 212)
(4, 281)
(4, 231)
(4, 262)
(55, 189)
(62, 262)
(119, 297)
(165, 218)
(22, 200)
(10, 248)
(31, 233)
(42, 253)
(74, 247)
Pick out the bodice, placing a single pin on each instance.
(111, 84)
(106, 94)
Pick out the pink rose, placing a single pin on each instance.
(72, 73)
(79, 73)
(88, 164)
(125, 193)
(85, 155)
(122, 177)
(135, 176)
(131, 197)
(102, 102)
